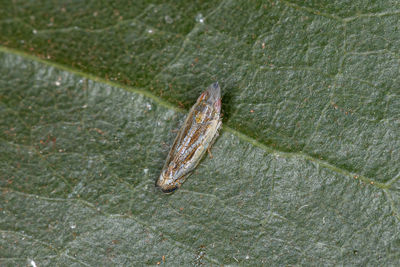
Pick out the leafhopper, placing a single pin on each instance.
(195, 137)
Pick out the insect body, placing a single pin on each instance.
(197, 134)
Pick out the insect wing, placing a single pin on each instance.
(196, 135)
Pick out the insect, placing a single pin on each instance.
(195, 137)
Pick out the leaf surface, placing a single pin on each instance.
(305, 171)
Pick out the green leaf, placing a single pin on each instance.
(306, 169)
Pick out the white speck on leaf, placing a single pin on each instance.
(34, 31)
(200, 18)
(58, 83)
(33, 264)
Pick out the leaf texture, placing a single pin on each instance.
(306, 170)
